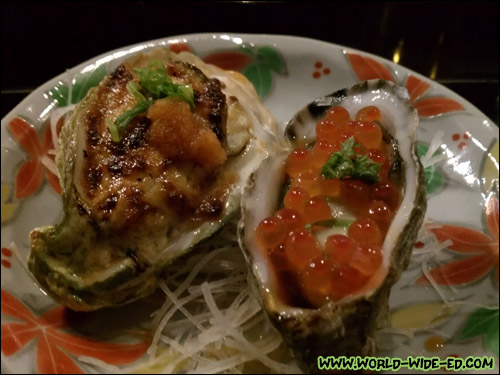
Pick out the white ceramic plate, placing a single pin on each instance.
(458, 318)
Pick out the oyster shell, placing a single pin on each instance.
(132, 207)
(345, 327)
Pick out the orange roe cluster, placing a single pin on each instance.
(346, 262)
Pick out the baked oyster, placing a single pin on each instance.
(151, 162)
(329, 222)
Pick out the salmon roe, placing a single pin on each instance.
(340, 265)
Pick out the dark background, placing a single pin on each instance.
(456, 43)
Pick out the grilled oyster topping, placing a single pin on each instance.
(140, 192)
(329, 223)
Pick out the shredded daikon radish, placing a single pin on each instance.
(432, 225)
(434, 160)
(426, 270)
(180, 307)
(244, 344)
(163, 322)
(434, 248)
(15, 250)
(219, 283)
(24, 263)
(49, 164)
(55, 115)
(428, 159)
(236, 360)
(54, 118)
(185, 284)
(397, 331)
(210, 321)
(388, 338)
(439, 332)
(100, 364)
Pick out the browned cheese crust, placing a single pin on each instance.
(167, 165)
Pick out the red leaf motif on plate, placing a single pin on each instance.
(465, 240)
(29, 177)
(228, 60)
(53, 180)
(492, 222)
(416, 87)
(11, 306)
(461, 271)
(179, 47)
(31, 173)
(436, 106)
(48, 149)
(54, 317)
(50, 340)
(47, 141)
(116, 354)
(25, 135)
(51, 360)
(468, 241)
(16, 335)
(492, 216)
(367, 68)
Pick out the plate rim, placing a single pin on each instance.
(217, 35)
(273, 39)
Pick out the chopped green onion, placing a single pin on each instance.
(346, 163)
(154, 77)
(157, 84)
(113, 130)
(135, 89)
(185, 92)
(124, 119)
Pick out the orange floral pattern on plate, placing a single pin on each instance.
(31, 173)
(481, 248)
(50, 359)
(179, 47)
(367, 68)
(228, 60)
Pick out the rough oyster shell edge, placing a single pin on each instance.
(346, 327)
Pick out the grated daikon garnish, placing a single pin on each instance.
(239, 341)
(210, 321)
(54, 118)
(100, 364)
(49, 164)
(428, 159)
(426, 269)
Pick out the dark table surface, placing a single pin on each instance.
(454, 43)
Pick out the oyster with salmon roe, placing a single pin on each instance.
(328, 224)
(151, 162)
